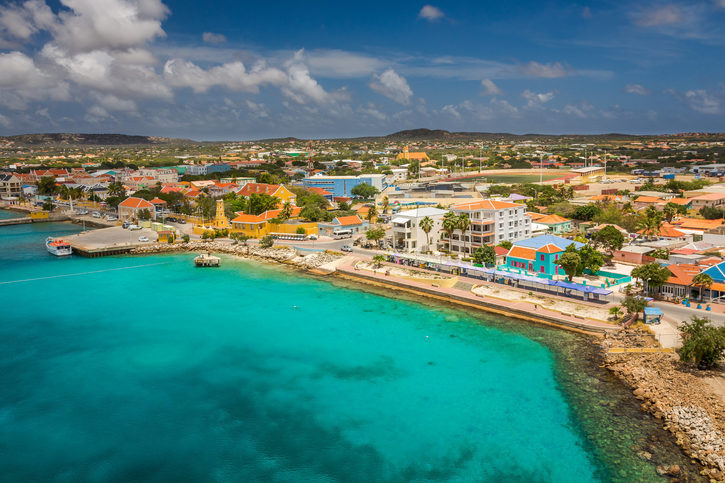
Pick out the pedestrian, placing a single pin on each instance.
(536, 307)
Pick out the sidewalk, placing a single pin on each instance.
(521, 310)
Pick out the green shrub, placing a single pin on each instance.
(702, 343)
(266, 241)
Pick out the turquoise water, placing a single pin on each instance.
(146, 369)
(5, 214)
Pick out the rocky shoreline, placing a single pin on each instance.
(279, 254)
(677, 395)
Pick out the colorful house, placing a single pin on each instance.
(276, 190)
(557, 224)
(131, 207)
(539, 255)
(353, 223)
(253, 226)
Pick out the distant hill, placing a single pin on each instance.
(442, 135)
(74, 139)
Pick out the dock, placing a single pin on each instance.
(207, 260)
(27, 220)
(108, 241)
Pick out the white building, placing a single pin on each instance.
(399, 173)
(491, 223)
(409, 236)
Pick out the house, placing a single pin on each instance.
(10, 186)
(130, 208)
(669, 232)
(353, 223)
(406, 155)
(634, 254)
(501, 253)
(708, 199)
(159, 205)
(276, 190)
(643, 202)
(556, 224)
(696, 226)
(320, 191)
(253, 226)
(491, 222)
(539, 255)
(687, 203)
(409, 236)
(679, 284)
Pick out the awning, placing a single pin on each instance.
(654, 311)
(401, 220)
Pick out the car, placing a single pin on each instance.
(171, 219)
(346, 248)
(125, 225)
(143, 238)
(181, 221)
(96, 214)
(134, 227)
(312, 237)
(111, 218)
(82, 212)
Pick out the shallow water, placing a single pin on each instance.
(145, 368)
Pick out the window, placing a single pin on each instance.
(542, 257)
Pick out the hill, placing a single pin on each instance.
(77, 139)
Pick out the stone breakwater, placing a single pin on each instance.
(280, 254)
(676, 394)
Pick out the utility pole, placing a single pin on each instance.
(541, 168)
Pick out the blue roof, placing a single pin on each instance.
(543, 240)
(652, 311)
(717, 272)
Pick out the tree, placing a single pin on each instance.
(426, 224)
(364, 190)
(313, 213)
(450, 224)
(609, 238)
(266, 241)
(506, 244)
(634, 305)
(385, 203)
(702, 343)
(485, 255)
(570, 262)
(300, 230)
(378, 259)
(286, 210)
(48, 205)
(702, 280)
(653, 275)
(671, 210)
(372, 213)
(206, 205)
(343, 206)
(47, 186)
(375, 234)
(186, 238)
(616, 312)
(586, 212)
(650, 221)
(258, 203)
(144, 214)
(591, 259)
(463, 223)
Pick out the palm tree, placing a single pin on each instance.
(650, 222)
(286, 210)
(450, 223)
(385, 202)
(426, 224)
(372, 213)
(463, 223)
(702, 280)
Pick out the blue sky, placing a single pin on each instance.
(244, 70)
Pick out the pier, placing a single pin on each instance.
(108, 241)
(26, 220)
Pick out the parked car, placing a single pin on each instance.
(171, 219)
(111, 218)
(125, 225)
(181, 221)
(346, 248)
(134, 227)
(312, 237)
(82, 212)
(96, 214)
(143, 238)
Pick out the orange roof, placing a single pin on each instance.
(248, 219)
(550, 248)
(157, 201)
(682, 274)
(259, 188)
(679, 201)
(269, 214)
(667, 231)
(552, 220)
(319, 191)
(536, 216)
(349, 220)
(500, 250)
(522, 252)
(709, 197)
(135, 203)
(485, 205)
(648, 199)
(697, 224)
(192, 193)
(720, 287)
(607, 198)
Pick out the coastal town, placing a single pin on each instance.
(583, 236)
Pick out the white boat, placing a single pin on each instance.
(58, 247)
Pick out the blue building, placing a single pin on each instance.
(539, 255)
(343, 185)
(203, 169)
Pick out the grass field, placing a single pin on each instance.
(515, 178)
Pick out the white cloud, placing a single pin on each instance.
(113, 103)
(233, 75)
(258, 109)
(212, 38)
(537, 99)
(373, 112)
(637, 89)
(660, 15)
(393, 86)
(451, 110)
(429, 12)
(340, 64)
(490, 89)
(581, 110)
(301, 86)
(702, 101)
(4, 121)
(549, 71)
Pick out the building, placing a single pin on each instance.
(711, 200)
(555, 224)
(10, 186)
(322, 192)
(340, 223)
(491, 223)
(276, 190)
(130, 208)
(343, 185)
(591, 173)
(159, 205)
(696, 226)
(204, 169)
(406, 155)
(409, 236)
(539, 255)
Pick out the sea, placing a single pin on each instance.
(144, 368)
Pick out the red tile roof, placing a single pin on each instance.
(319, 191)
(135, 203)
(550, 248)
(259, 188)
(682, 274)
(158, 201)
(522, 252)
(243, 218)
(349, 220)
(485, 205)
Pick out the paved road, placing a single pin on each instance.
(681, 313)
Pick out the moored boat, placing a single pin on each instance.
(58, 247)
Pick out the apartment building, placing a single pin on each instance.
(409, 236)
(10, 185)
(491, 223)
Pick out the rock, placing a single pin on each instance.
(645, 455)
(674, 470)
(661, 470)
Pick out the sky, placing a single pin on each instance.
(233, 70)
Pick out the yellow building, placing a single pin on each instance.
(276, 190)
(257, 226)
(407, 156)
(253, 226)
